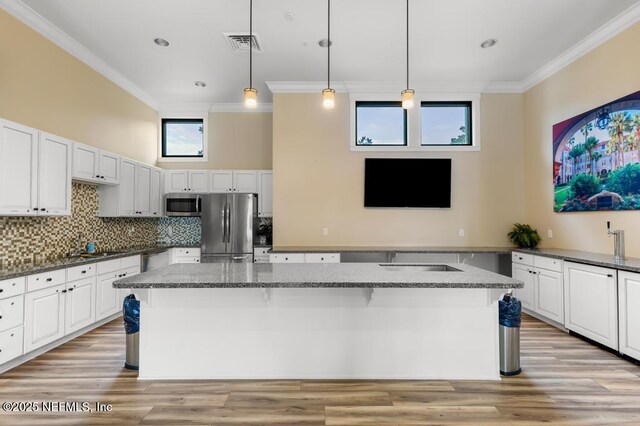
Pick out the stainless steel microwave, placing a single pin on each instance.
(182, 204)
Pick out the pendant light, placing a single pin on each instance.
(407, 94)
(328, 94)
(250, 94)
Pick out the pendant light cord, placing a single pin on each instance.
(251, 44)
(407, 44)
(328, 43)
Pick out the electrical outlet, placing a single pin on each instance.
(325, 232)
(550, 233)
(461, 232)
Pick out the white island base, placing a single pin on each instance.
(319, 333)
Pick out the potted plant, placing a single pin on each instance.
(265, 232)
(524, 236)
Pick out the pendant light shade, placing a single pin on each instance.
(250, 97)
(328, 94)
(407, 98)
(328, 98)
(250, 94)
(407, 95)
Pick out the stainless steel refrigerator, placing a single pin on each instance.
(229, 223)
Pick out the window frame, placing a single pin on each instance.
(187, 117)
(414, 122)
(468, 120)
(374, 104)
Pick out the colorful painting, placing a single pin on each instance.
(596, 158)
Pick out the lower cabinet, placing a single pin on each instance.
(44, 317)
(106, 296)
(304, 258)
(629, 313)
(591, 302)
(80, 305)
(542, 292)
(11, 344)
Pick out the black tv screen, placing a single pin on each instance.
(407, 182)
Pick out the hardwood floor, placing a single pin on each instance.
(564, 381)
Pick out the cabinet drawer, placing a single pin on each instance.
(322, 258)
(10, 344)
(80, 272)
(287, 258)
(46, 280)
(547, 263)
(261, 251)
(108, 266)
(522, 258)
(261, 259)
(130, 262)
(11, 312)
(128, 272)
(13, 287)
(187, 259)
(187, 252)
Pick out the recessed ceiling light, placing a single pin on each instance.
(325, 42)
(488, 43)
(289, 16)
(200, 83)
(161, 42)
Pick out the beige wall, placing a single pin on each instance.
(605, 74)
(319, 183)
(43, 86)
(236, 140)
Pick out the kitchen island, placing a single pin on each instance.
(319, 321)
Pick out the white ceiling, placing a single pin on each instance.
(368, 38)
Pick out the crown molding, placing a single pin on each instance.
(303, 86)
(239, 107)
(375, 86)
(32, 19)
(504, 87)
(609, 30)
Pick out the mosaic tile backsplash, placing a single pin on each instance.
(28, 239)
(179, 230)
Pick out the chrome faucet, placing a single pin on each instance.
(618, 242)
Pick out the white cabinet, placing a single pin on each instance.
(221, 181)
(549, 294)
(184, 255)
(629, 313)
(35, 172)
(233, 181)
(591, 302)
(11, 312)
(54, 175)
(95, 165)
(287, 258)
(80, 304)
(44, 317)
(143, 190)
(322, 258)
(137, 195)
(245, 181)
(265, 193)
(11, 344)
(543, 291)
(18, 169)
(527, 293)
(156, 193)
(106, 296)
(187, 181)
(261, 254)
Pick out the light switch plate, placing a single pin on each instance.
(550, 233)
(461, 232)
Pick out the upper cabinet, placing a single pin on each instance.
(265, 193)
(221, 181)
(137, 195)
(233, 181)
(187, 181)
(35, 172)
(95, 165)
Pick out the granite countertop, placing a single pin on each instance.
(631, 264)
(303, 275)
(68, 262)
(397, 249)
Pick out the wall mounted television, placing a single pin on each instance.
(407, 182)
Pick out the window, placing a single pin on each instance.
(446, 123)
(182, 137)
(380, 124)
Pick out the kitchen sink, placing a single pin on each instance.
(418, 267)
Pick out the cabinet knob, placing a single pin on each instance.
(64, 291)
(49, 279)
(1, 290)
(35, 208)
(610, 275)
(71, 289)
(42, 210)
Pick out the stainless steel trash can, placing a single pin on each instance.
(132, 352)
(509, 351)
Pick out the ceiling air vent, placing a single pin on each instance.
(239, 42)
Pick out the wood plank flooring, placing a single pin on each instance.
(564, 381)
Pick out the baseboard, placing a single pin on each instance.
(37, 352)
(545, 319)
(606, 348)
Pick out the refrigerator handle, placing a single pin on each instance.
(229, 222)
(224, 223)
